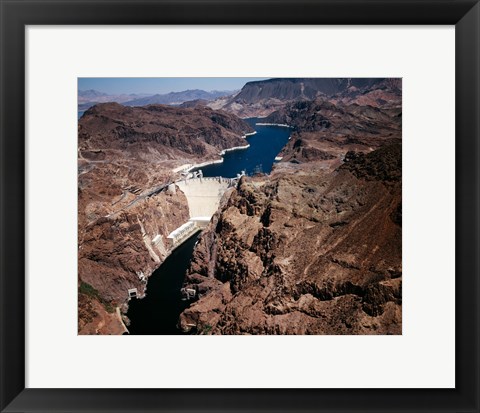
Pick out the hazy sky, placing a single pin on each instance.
(120, 85)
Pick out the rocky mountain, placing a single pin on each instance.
(298, 88)
(315, 247)
(326, 131)
(261, 98)
(194, 103)
(166, 131)
(126, 156)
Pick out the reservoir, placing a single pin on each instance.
(158, 312)
(259, 157)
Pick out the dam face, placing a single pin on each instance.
(203, 195)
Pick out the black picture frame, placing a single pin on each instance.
(16, 14)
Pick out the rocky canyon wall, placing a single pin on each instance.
(305, 253)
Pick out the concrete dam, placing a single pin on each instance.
(203, 196)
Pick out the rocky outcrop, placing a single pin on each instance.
(194, 103)
(307, 252)
(165, 131)
(301, 88)
(323, 131)
(125, 159)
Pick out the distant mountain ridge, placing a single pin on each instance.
(89, 98)
(178, 97)
(90, 94)
(94, 96)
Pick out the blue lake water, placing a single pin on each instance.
(259, 157)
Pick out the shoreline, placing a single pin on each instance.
(189, 167)
(281, 125)
(235, 148)
(119, 315)
(206, 163)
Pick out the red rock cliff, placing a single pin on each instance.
(305, 253)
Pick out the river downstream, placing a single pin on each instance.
(158, 312)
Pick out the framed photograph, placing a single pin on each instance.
(240, 206)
